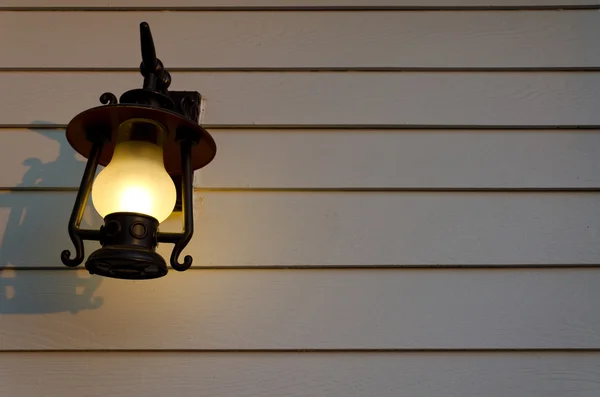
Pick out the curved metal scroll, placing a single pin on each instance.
(108, 98)
(76, 234)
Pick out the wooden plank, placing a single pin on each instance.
(344, 159)
(286, 3)
(303, 309)
(304, 39)
(340, 229)
(404, 159)
(327, 98)
(298, 375)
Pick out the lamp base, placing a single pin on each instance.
(128, 248)
(126, 262)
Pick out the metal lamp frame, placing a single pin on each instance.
(132, 238)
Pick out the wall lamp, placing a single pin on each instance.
(151, 142)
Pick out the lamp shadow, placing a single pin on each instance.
(35, 233)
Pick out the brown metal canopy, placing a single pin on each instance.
(109, 117)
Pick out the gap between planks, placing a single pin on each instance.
(49, 189)
(380, 267)
(309, 69)
(364, 8)
(317, 351)
(344, 127)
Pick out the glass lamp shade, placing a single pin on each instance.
(135, 180)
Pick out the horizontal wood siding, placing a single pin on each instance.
(404, 202)
(305, 39)
(340, 229)
(327, 98)
(345, 159)
(303, 309)
(298, 375)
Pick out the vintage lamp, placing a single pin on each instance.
(151, 143)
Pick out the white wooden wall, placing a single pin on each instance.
(405, 201)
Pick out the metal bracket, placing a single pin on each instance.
(187, 103)
(155, 89)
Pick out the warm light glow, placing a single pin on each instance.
(135, 180)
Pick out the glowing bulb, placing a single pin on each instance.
(135, 180)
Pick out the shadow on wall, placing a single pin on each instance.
(35, 233)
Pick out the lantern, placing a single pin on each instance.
(150, 143)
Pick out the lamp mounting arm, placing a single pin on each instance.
(155, 89)
(156, 78)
